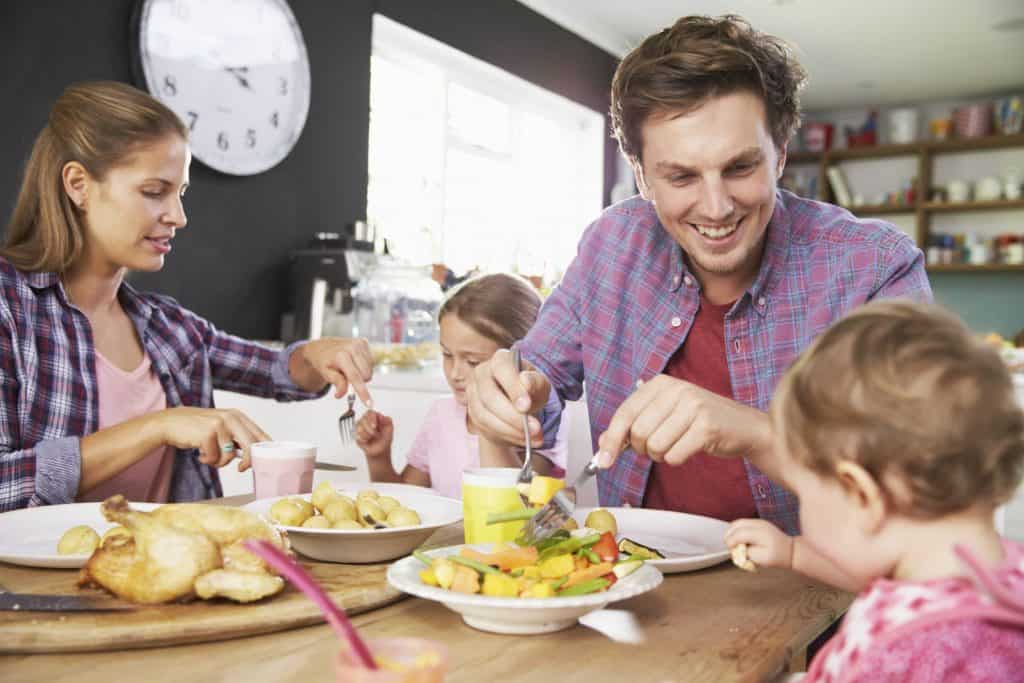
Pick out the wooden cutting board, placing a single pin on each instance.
(355, 587)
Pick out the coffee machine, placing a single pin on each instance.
(321, 276)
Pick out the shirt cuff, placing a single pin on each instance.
(283, 379)
(58, 469)
(550, 419)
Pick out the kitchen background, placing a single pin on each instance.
(231, 264)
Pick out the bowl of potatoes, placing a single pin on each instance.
(359, 525)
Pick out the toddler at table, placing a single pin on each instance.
(477, 319)
(901, 435)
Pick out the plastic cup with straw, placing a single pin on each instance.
(385, 660)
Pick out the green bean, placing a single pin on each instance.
(473, 564)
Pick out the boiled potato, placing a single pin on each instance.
(387, 504)
(347, 525)
(403, 517)
(367, 493)
(114, 533)
(286, 512)
(304, 505)
(323, 494)
(78, 540)
(341, 508)
(570, 525)
(601, 520)
(369, 511)
(317, 522)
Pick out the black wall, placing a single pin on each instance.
(229, 263)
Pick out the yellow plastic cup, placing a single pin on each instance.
(486, 490)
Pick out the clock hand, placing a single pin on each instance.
(239, 73)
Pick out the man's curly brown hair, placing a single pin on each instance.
(698, 58)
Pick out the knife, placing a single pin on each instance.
(39, 602)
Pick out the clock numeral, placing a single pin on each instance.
(273, 120)
(284, 86)
(250, 138)
(192, 118)
(170, 85)
(222, 141)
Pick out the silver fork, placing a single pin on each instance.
(558, 510)
(347, 421)
(526, 473)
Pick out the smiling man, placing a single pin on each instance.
(685, 305)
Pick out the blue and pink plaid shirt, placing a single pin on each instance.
(627, 302)
(49, 397)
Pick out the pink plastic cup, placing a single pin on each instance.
(400, 660)
(282, 468)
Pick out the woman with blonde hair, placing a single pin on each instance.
(105, 389)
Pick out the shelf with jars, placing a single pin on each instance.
(919, 197)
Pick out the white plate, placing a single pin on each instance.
(688, 542)
(29, 536)
(516, 615)
(371, 545)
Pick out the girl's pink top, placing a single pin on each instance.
(444, 448)
(122, 396)
(959, 629)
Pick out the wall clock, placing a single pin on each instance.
(235, 71)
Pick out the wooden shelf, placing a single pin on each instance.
(975, 144)
(974, 206)
(803, 158)
(874, 152)
(970, 268)
(877, 209)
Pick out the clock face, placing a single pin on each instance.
(234, 71)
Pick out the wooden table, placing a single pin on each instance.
(717, 624)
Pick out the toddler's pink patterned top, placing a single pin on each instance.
(943, 630)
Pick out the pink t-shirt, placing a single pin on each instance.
(444, 448)
(124, 395)
(955, 629)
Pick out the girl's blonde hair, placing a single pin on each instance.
(908, 393)
(99, 124)
(499, 306)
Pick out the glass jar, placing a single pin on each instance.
(396, 310)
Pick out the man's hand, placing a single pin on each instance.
(498, 396)
(766, 545)
(669, 420)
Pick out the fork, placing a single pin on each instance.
(526, 473)
(347, 421)
(557, 511)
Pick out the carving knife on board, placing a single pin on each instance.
(40, 602)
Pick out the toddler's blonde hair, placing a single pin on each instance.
(907, 392)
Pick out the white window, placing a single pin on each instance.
(473, 167)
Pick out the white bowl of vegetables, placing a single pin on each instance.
(497, 588)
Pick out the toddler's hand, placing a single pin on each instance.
(766, 544)
(374, 433)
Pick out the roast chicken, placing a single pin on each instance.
(181, 551)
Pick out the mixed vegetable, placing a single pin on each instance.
(560, 566)
(572, 562)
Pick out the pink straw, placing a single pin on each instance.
(303, 581)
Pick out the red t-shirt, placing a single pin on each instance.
(704, 484)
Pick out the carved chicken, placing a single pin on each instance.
(180, 551)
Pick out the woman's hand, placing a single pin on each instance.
(767, 545)
(220, 435)
(374, 434)
(333, 360)
(669, 420)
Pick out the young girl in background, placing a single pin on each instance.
(479, 317)
(901, 435)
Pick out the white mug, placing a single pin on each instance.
(959, 190)
(988, 189)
